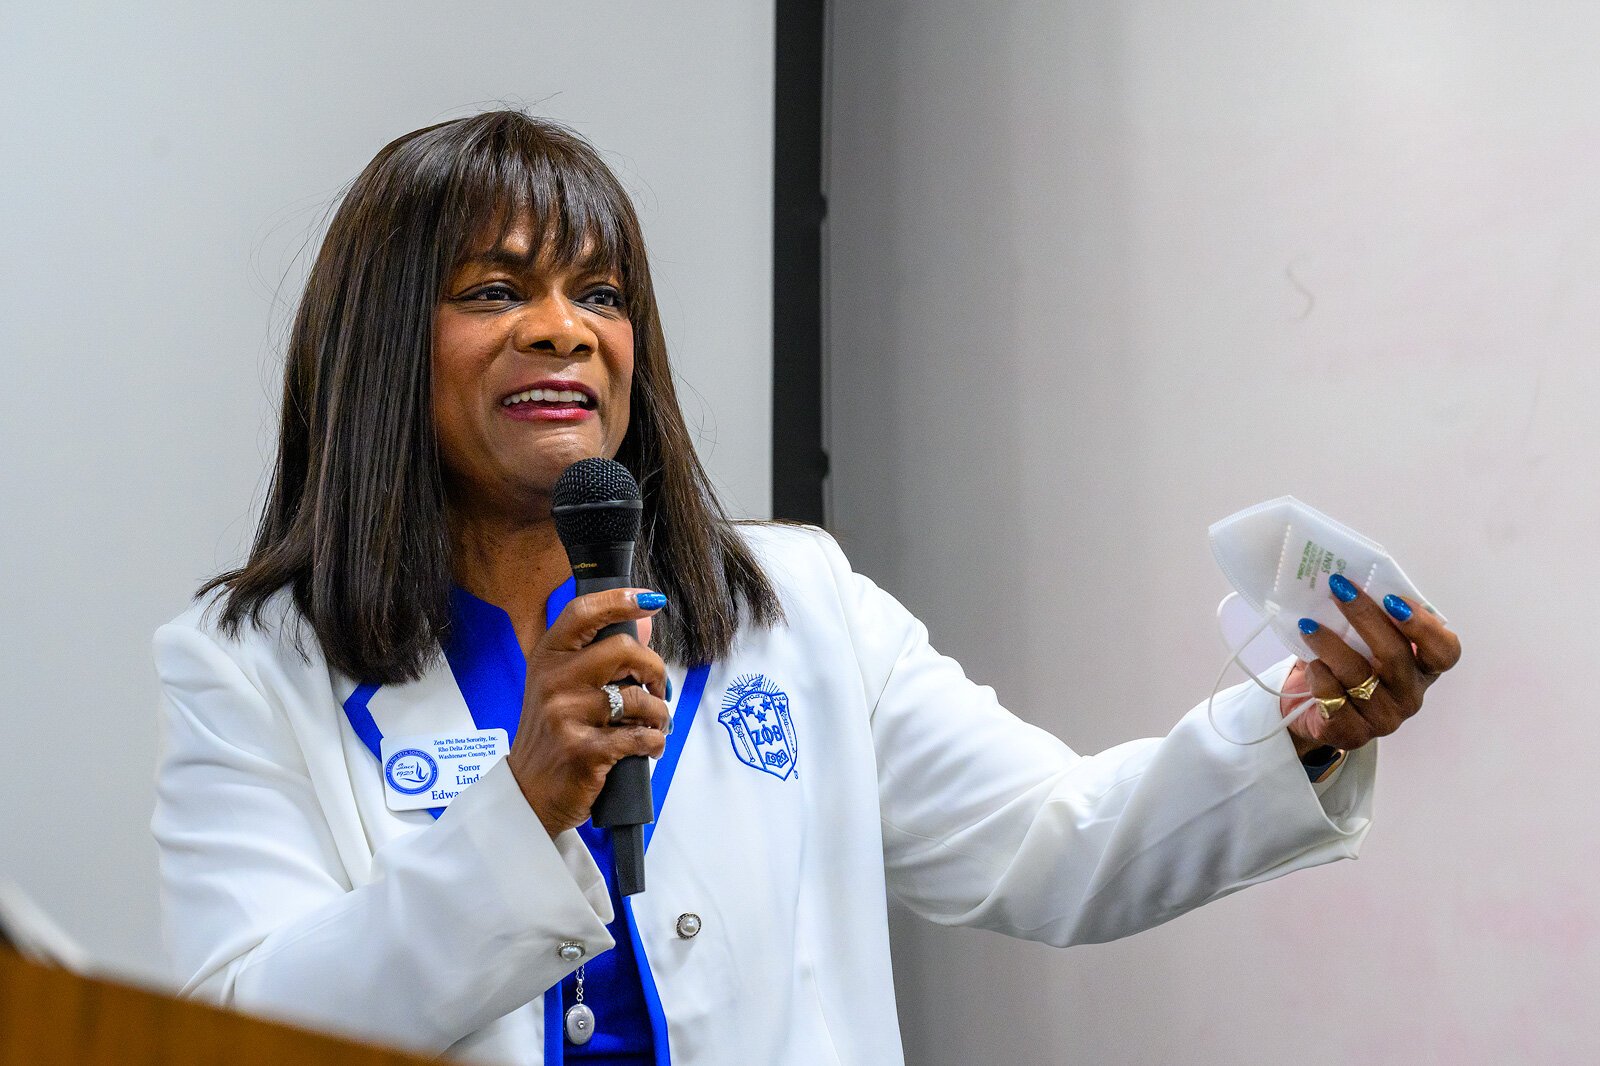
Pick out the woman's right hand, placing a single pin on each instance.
(565, 746)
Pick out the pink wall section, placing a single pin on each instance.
(1102, 274)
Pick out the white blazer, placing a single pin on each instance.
(290, 888)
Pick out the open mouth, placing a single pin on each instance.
(551, 398)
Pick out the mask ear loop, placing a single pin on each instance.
(1233, 658)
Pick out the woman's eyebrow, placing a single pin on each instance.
(501, 257)
(508, 259)
(515, 260)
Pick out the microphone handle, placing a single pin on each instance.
(624, 805)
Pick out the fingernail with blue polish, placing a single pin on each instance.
(650, 601)
(1308, 626)
(669, 689)
(1342, 588)
(1399, 609)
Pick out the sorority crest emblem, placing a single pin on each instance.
(756, 714)
(411, 771)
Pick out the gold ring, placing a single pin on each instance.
(1364, 690)
(1327, 707)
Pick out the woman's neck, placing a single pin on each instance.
(514, 565)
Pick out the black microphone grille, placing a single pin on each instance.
(596, 501)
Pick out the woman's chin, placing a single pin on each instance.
(536, 474)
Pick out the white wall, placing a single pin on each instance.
(1104, 273)
(166, 163)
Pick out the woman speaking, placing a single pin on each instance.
(384, 733)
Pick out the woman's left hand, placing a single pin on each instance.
(1411, 648)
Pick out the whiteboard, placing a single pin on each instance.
(169, 169)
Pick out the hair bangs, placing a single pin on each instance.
(542, 174)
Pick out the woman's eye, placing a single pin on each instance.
(493, 292)
(605, 296)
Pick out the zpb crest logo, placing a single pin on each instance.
(411, 771)
(756, 714)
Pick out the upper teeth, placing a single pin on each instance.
(546, 396)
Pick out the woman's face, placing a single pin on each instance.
(532, 365)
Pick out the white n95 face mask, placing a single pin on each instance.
(1278, 557)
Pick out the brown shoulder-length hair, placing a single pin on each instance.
(356, 521)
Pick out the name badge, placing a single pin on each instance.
(432, 769)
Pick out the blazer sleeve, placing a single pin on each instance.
(459, 923)
(991, 822)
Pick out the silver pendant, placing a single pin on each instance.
(580, 1023)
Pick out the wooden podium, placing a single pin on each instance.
(50, 1017)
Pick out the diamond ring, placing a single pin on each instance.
(614, 700)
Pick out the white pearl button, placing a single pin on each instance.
(688, 925)
(570, 951)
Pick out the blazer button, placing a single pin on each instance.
(570, 951)
(688, 926)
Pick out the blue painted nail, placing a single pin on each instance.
(1309, 626)
(669, 688)
(650, 601)
(1342, 588)
(1398, 608)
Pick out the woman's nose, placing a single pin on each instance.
(551, 325)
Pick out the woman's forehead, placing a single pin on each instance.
(518, 238)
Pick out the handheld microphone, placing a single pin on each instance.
(597, 512)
